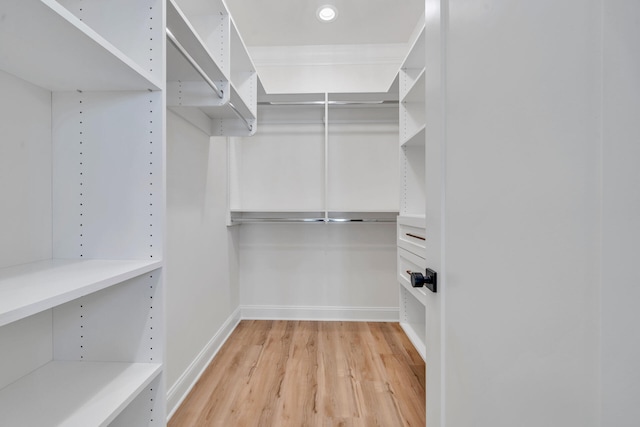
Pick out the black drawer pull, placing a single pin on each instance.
(415, 236)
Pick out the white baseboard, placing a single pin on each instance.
(359, 314)
(418, 343)
(179, 391)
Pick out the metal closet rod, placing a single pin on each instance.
(193, 63)
(312, 220)
(241, 117)
(204, 75)
(293, 103)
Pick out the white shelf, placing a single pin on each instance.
(415, 90)
(415, 139)
(412, 220)
(408, 215)
(74, 393)
(294, 99)
(186, 34)
(416, 56)
(30, 288)
(187, 90)
(61, 53)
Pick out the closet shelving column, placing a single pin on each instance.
(318, 158)
(82, 183)
(212, 82)
(411, 222)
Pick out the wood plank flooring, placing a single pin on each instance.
(315, 374)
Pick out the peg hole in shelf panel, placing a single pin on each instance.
(138, 31)
(118, 323)
(81, 187)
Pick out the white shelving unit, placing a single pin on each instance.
(411, 222)
(31, 288)
(318, 158)
(81, 176)
(104, 388)
(212, 82)
(62, 53)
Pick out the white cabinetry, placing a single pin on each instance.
(212, 81)
(411, 222)
(81, 177)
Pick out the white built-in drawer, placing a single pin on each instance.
(412, 235)
(408, 262)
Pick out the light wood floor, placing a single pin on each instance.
(289, 373)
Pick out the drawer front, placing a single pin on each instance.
(412, 239)
(408, 262)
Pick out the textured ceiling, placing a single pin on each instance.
(294, 22)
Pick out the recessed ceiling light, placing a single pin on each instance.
(327, 13)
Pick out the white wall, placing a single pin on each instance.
(25, 172)
(25, 213)
(201, 285)
(521, 240)
(318, 271)
(620, 290)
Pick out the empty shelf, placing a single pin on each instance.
(94, 393)
(59, 52)
(30, 288)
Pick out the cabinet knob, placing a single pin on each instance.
(429, 279)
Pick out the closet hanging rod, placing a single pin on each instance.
(239, 114)
(194, 64)
(204, 75)
(312, 220)
(361, 220)
(319, 103)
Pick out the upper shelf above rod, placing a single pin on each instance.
(193, 63)
(211, 84)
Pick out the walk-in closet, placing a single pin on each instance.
(319, 213)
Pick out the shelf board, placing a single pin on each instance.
(416, 56)
(412, 220)
(362, 97)
(184, 32)
(416, 92)
(30, 288)
(45, 44)
(94, 393)
(418, 216)
(415, 139)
